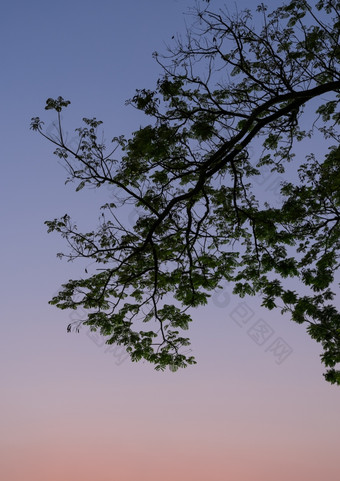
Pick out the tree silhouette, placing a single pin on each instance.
(229, 90)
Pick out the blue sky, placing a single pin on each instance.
(237, 400)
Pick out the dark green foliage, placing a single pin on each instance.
(228, 91)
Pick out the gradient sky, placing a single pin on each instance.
(72, 409)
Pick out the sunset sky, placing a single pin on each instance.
(73, 409)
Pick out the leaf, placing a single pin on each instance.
(80, 186)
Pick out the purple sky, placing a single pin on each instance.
(71, 410)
